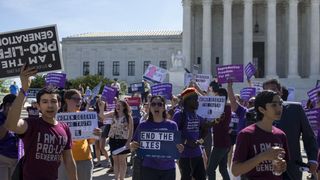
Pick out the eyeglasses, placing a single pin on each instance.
(154, 104)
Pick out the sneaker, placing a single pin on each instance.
(98, 164)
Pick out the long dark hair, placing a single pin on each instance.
(164, 114)
(126, 110)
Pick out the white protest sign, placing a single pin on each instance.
(155, 74)
(211, 106)
(81, 124)
(258, 86)
(203, 80)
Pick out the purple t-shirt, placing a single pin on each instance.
(241, 113)
(156, 163)
(251, 141)
(9, 143)
(44, 145)
(221, 130)
(190, 131)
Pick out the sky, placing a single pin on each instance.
(81, 16)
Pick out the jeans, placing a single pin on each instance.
(219, 156)
(7, 166)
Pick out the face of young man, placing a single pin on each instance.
(49, 105)
(273, 110)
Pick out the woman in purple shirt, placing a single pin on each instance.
(156, 168)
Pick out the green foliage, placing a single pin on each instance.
(38, 82)
(89, 80)
(3, 88)
(124, 87)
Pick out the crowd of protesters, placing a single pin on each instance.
(254, 139)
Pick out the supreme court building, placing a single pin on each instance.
(281, 37)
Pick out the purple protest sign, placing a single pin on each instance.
(108, 94)
(233, 72)
(250, 70)
(313, 94)
(313, 116)
(247, 92)
(163, 89)
(56, 79)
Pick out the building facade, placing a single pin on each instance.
(281, 37)
(123, 55)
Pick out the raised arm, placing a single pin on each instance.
(102, 115)
(13, 122)
(233, 102)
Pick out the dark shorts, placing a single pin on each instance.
(118, 143)
(105, 131)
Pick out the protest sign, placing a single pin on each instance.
(56, 79)
(81, 124)
(203, 80)
(38, 47)
(250, 70)
(134, 103)
(230, 72)
(163, 89)
(108, 94)
(94, 93)
(155, 74)
(313, 94)
(136, 87)
(32, 92)
(292, 94)
(211, 106)
(313, 116)
(159, 144)
(258, 86)
(247, 92)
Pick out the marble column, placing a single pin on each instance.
(206, 36)
(271, 47)
(314, 39)
(247, 32)
(186, 35)
(293, 40)
(227, 32)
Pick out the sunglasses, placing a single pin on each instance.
(159, 104)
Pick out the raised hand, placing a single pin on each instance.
(25, 74)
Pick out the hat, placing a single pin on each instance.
(8, 99)
(188, 92)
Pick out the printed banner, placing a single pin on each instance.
(211, 106)
(313, 116)
(81, 124)
(56, 79)
(163, 89)
(32, 92)
(247, 92)
(313, 94)
(134, 103)
(250, 70)
(108, 94)
(203, 80)
(159, 144)
(136, 87)
(38, 47)
(155, 74)
(233, 72)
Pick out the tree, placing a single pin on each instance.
(89, 80)
(38, 82)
